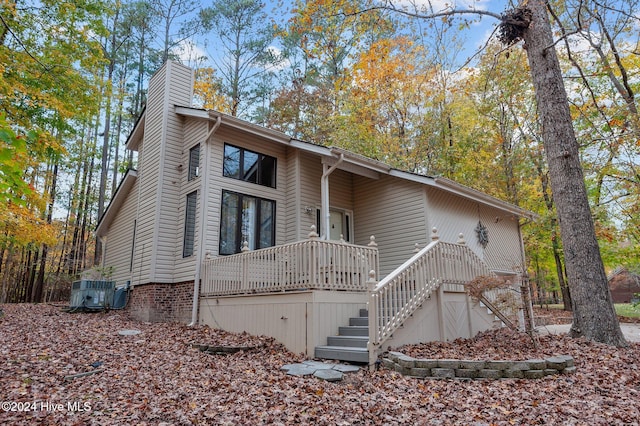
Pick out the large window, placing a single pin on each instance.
(249, 166)
(246, 218)
(190, 224)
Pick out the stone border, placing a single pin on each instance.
(468, 369)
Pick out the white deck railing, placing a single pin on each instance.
(399, 294)
(303, 265)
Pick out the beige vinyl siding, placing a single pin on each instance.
(299, 320)
(460, 316)
(159, 180)
(148, 173)
(453, 215)
(195, 132)
(309, 184)
(180, 83)
(121, 238)
(170, 201)
(294, 207)
(340, 191)
(504, 250)
(393, 210)
(218, 183)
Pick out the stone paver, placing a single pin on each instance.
(318, 365)
(322, 370)
(329, 375)
(301, 370)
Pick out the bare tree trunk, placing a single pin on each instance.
(39, 283)
(594, 316)
(555, 243)
(106, 141)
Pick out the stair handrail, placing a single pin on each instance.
(497, 312)
(397, 296)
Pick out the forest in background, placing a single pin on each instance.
(73, 80)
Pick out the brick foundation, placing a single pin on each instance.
(156, 302)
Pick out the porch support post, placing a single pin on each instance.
(202, 228)
(441, 325)
(325, 215)
(372, 311)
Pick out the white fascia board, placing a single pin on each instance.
(234, 122)
(116, 202)
(352, 162)
(361, 160)
(350, 167)
(137, 133)
(309, 147)
(192, 112)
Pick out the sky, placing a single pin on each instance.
(474, 37)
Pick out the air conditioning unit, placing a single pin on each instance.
(92, 294)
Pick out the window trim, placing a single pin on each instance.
(273, 184)
(194, 166)
(239, 224)
(188, 246)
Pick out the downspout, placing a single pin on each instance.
(103, 241)
(324, 194)
(204, 185)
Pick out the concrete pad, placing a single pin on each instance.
(631, 331)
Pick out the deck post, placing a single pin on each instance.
(372, 311)
(245, 267)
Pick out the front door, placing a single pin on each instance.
(339, 224)
(336, 224)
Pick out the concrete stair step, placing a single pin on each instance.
(348, 341)
(342, 353)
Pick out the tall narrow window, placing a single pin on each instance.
(194, 162)
(249, 166)
(246, 218)
(190, 224)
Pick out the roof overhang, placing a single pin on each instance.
(351, 162)
(466, 192)
(234, 123)
(116, 202)
(135, 137)
(371, 168)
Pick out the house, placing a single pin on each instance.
(624, 285)
(244, 228)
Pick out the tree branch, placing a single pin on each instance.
(419, 15)
(26, 50)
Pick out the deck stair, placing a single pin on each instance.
(395, 298)
(351, 342)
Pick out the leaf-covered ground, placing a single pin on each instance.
(157, 377)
